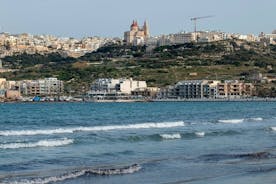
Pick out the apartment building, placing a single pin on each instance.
(188, 89)
(42, 87)
(208, 89)
(234, 89)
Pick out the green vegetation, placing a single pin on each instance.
(231, 59)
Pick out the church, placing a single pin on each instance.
(136, 35)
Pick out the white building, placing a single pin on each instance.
(116, 86)
(181, 38)
(128, 85)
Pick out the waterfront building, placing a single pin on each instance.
(210, 89)
(166, 93)
(234, 89)
(109, 85)
(32, 88)
(150, 92)
(188, 89)
(52, 86)
(42, 87)
(115, 89)
(137, 35)
(207, 89)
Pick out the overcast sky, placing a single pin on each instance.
(110, 18)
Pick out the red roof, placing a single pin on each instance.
(134, 24)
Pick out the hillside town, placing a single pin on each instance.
(31, 44)
(12, 44)
(123, 88)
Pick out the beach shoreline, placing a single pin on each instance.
(148, 100)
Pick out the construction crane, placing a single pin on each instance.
(194, 19)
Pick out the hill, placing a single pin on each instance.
(229, 59)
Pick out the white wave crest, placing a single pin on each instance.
(170, 136)
(95, 128)
(36, 132)
(52, 179)
(256, 119)
(232, 121)
(273, 128)
(200, 134)
(75, 174)
(42, 143)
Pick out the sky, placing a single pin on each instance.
(110, 18)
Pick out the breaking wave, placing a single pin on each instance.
(78, 173)
(95, 128)
(236, 121)
(183, 135)
(256, 119)
(170, 136)
(232, 121)
(273, 128)
(200, 134)
(42, 143)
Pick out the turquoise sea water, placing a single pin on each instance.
(204, 142)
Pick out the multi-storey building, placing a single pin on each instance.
(210, 89)
(189, 89)
(198, 89)
(234, 89)
(42, 87)
(184, 90)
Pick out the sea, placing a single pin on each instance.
(144, 143)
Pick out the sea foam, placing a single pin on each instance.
(256, 119)
(200, 134)
(236, 121)
(232, 121)
(170, 136)
(92, 129)
(273, 128)
(78, 173)
(41, 143)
